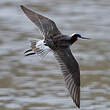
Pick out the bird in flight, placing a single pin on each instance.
(60, 44)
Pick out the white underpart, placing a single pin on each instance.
(42, 48)
(41, 45)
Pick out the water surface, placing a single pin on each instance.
(32, 83)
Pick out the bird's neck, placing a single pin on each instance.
(73, 39)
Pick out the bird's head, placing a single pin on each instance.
(74, 37)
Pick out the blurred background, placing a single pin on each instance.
(33, 83)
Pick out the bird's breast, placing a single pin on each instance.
(57, 42)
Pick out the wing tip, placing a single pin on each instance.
(27, 11)
(77, 102)
(22, 7)
(78, 105)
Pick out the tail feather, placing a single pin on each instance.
(39, 48)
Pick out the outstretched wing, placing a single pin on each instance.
(71, 72)
(46, 26)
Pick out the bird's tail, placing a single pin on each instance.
(37, 47)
